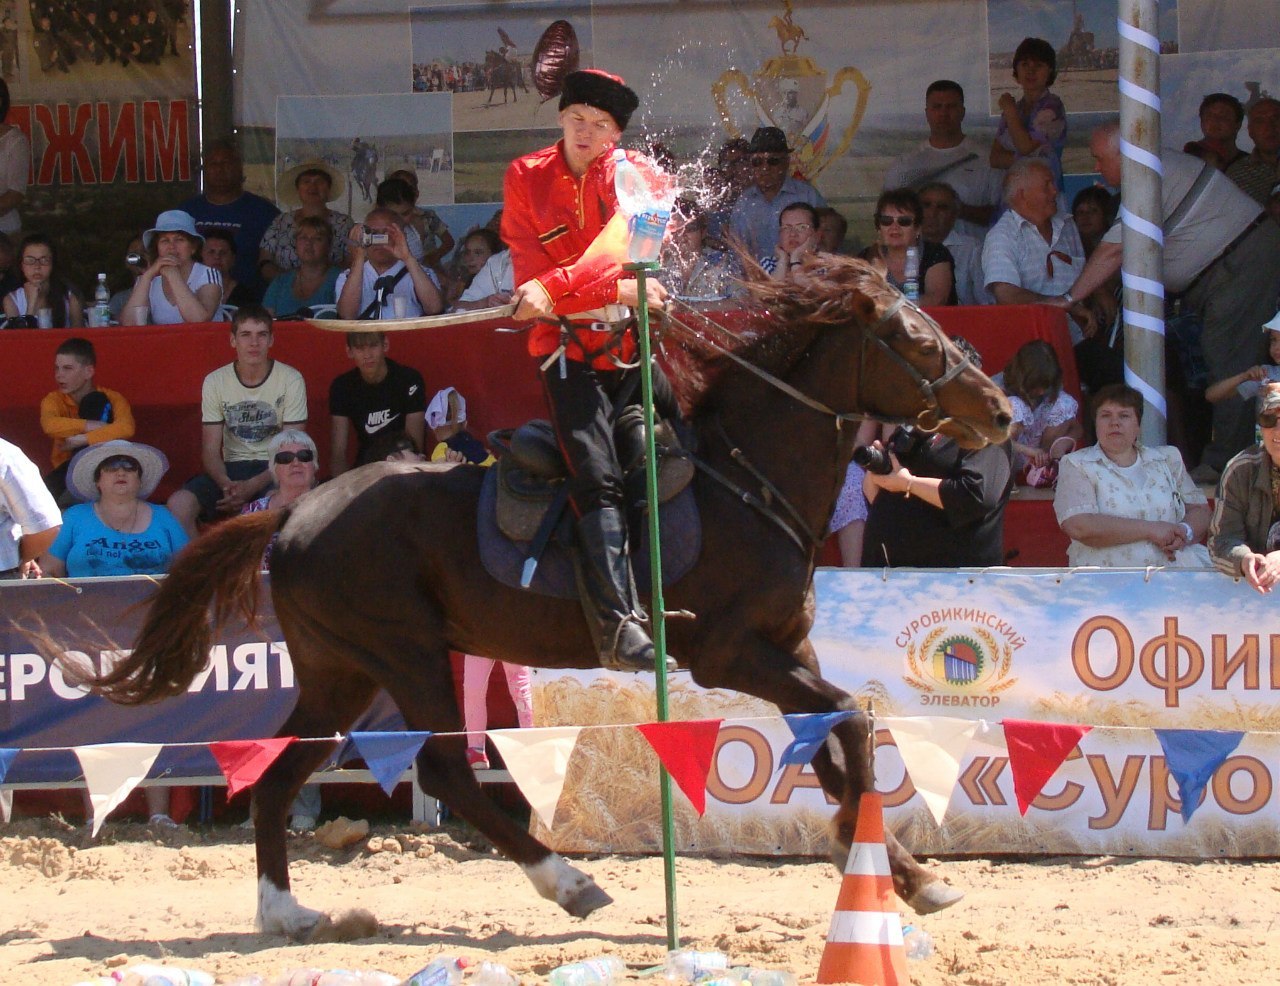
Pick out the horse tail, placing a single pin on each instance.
(220, 569)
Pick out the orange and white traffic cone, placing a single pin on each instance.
(864, 944)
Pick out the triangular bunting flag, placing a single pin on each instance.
(1193, 755)
(538, 760)
(810, 730)
(931, 748)
(243, 761)
(1036, 750)
(7, 756)
(111, 771)
(685, 749)
(387, 755)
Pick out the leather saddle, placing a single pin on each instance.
(532, 474)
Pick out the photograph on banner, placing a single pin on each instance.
(1085, 39)
(502, 65)
(66, 48)
(366, 138)
(1248, 75)
(1218, 25)
(481, 158)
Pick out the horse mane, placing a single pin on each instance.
(781, 321)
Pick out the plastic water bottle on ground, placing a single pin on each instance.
(493, 974)
(691, 966)
(917, 942)
(647, 207)
(336, 977)
(600, 971)
(762, 977)
(445, 971)
(911, 274)
(101, 316)
(147, 974)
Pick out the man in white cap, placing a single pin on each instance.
(556, 202)
(29, 517)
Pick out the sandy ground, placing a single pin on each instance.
(187, 897)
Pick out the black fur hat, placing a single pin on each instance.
(601, 90)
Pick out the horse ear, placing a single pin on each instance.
(862, 306)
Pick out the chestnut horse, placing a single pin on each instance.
(376, 575)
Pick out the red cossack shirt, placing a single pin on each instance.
(549, 218)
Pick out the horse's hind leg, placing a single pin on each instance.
(328, 702)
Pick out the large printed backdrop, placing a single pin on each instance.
(845, 80)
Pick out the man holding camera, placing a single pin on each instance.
(932, 503)
(385, 280)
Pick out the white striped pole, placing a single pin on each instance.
(1141, 212)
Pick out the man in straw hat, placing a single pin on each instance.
(556, 202)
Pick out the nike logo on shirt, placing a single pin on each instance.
(378, 420)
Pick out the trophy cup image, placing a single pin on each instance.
(791, 92)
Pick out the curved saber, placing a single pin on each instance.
(404, 324)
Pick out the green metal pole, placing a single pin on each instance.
(657, 607)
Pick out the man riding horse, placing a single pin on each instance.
(557, 203)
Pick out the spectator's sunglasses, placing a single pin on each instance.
(120, 462)
(1268, 420)
(904, 221)
(302, 455)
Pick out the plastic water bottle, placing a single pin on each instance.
(689, 965)
(101, 303)
(600, 971)
(648, 208)
(336, 977)
(762, 977)
(917, 942)
(146, 974)
(911, 274)
(493, 974)
(445, 971)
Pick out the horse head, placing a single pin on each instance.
(902, 366)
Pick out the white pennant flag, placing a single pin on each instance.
(538, 760)
(111, 771)
(931, 747)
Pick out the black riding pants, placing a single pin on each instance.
(585, 406)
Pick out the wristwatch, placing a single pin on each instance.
(1191, 534)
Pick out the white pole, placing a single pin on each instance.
(1142, 272)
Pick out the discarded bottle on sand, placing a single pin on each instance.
(146, 974)
(336, 977)
(493, 974)
(648, 208)
(917, 942)
(762, 977)
(600, 971)
(445, 971)
(691, 966)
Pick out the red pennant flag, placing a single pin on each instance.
(244, 761)
(685, 749)
(1036, 750)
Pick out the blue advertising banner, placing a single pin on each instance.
(246, 691)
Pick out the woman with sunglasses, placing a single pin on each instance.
(898, 217)
(115, 531)
(293, 465)
(43, 287)
(1125, 504)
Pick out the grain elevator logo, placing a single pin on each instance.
(960, 657)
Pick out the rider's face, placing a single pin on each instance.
(588, 133)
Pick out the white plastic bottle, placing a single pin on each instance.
(648, 209)
(917, 942)
(493, 974)
(336, 977)
(101, 303)
(911, 274)
(445, 971)
(689, 965)
(146, 974)
(600, 971)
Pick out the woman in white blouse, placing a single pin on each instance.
(1125, 505)
(15, 159)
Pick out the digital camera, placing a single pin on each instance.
(901, 443)
(375, 239)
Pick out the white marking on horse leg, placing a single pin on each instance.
(572, 889)
(279, 912)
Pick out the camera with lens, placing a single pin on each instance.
(375, 239)
(902, 443)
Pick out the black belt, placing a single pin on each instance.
(1226, 251)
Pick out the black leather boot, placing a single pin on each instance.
(608, 594)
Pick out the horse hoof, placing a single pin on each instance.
(934, 896)
(589, 898)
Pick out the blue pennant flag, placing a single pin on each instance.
(388, 754)
(7, 756)
(810, 731)
(1193, 755)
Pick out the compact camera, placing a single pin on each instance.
(375, 239)
(135, 260)
(901, 443)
